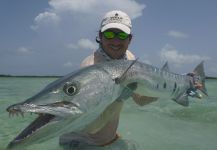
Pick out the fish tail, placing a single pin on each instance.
(199, 77)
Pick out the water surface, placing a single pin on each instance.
(162, 125)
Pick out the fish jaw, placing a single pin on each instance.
(60, 109)
(31, 130)
(49, 116)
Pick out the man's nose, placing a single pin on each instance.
(116, 40)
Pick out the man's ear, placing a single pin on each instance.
(130, 37)
(100, 35)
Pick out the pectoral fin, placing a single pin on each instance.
(142, 100)
(182, 99)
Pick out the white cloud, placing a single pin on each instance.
(83, 44)
(73, 5)
(172, 55)
(97, 6)
(177, 34)
(23, 50)
(145, 58)
(84, 10)
(68, 64)
(46, 19)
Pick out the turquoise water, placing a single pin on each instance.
(162, 125)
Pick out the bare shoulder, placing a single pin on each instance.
(89, 60)
(130, 55)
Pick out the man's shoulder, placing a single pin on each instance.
(130, 55)
(89, 60)
(97, 57)
(94, 58)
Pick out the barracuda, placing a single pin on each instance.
(72, 102)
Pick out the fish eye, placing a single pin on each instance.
(70, 89)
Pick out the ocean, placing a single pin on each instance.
(161, 125)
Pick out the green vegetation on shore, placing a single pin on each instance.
(31, 76)
(211, 77)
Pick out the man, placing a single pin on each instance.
(114, 39)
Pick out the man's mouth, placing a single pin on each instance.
(116, 48)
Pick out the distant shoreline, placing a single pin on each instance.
(55, 76)
(31, 76)
(211, 77)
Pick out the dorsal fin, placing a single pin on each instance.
(165, 67)
(121, 78)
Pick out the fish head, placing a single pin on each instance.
(61, 104)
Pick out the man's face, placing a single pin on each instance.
(115, 47)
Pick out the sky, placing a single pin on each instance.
(39, 37)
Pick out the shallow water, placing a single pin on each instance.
(162, 125)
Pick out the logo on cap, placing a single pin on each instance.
(116, 19)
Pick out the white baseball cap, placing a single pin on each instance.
(118, 20)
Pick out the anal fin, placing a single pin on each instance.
(143, 100)
(182, 99)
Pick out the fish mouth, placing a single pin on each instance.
(46, 116)
(41, 121)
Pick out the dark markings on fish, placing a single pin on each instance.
(165, 85)
(132, 86)
(175, 86)
(157, 86)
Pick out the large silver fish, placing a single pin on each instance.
(74, 101)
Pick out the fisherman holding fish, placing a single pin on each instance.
(114, 38)
(83, 107)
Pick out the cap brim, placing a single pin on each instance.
(119, 26)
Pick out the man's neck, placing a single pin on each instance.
(108, 57)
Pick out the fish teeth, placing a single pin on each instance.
(22, 114)
(15, 112)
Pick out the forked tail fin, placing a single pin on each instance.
(199, 77)
(197, 83)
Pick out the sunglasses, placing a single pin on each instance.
(112, 35)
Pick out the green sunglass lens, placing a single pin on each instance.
(109, 34)
(123, 35)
